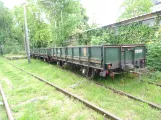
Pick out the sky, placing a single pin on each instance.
(101, 12)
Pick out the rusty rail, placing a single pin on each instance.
(153, 105)
(85, 102)
(8, 110)
(155, 84)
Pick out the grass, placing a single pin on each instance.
(116, 104)
(31, 99)
(154, 77)
(135, 87)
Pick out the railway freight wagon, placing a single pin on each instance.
(92, 60)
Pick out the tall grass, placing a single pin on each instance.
(116, 104)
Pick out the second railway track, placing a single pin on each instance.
(153, 105)
(88, 104)
(157, 84)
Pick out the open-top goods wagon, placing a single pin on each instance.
(103, 60)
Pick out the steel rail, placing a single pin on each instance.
(153, 105)
(8, 110)
(153, 83)
(157, 84)
(85, 102)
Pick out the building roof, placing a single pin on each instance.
(128, 21)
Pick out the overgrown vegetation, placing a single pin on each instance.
(53, 22)
(131, 84)
(154, 55)
(8, 35)
(136, 33)
(31, 99)
(50, 22)
(98, 95)
(133, 8)
(66, 17)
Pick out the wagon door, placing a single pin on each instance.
(127, 55)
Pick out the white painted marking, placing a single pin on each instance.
(139, 51)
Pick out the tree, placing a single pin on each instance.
(40, 34)
(66, 17)
(5, 23)
(39, 29)
(133, 8)
(50, 22)
(7, 31)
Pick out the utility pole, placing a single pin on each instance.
(0, 49)
(26, 35)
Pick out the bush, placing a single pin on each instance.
(12, 47)
(154, 55)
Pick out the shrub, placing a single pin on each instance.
(154, 55)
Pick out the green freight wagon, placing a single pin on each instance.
(35, 52)
(102, 60)
(41, 53)
(106, 58)
(59, 53)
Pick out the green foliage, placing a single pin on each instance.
(12, 46)
(5, 23)
(136, 33)
(133, 8)
(9, 37)
(40, 33)
(39, 29)
(65, 16)
(48, 24)
(104, 36)
(127, 34)
(154, 54)
(97, 96)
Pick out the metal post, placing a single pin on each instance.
(26, 34)
(0, 50)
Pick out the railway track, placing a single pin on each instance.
(153, 105)
(153, 83)
(8, 110)
(85, 102)
(157, 84)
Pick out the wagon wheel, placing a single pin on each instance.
(48, 59)
(91, 73)
(84, 71)
(60, 63)
(44, 59)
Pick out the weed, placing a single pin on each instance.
(116, 104)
